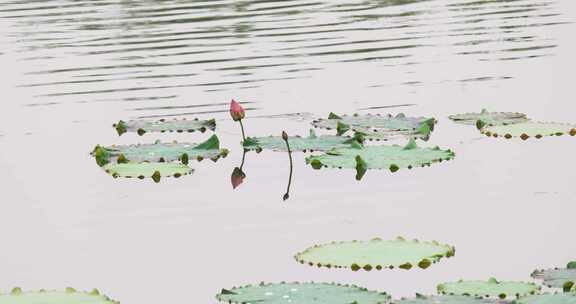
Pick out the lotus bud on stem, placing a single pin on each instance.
(237, 113)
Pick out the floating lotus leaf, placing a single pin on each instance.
(302, 293)
(378, 126)
(530, 129)
(392, 157)
(375, 254)
(143, 170)
(160, 152)
(176, 125)
(311, 143)
(491, 288)
(486, 118)
(557, 298)
(446, 299)
(564, 278)
(69, 296)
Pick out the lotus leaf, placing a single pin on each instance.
(486, 118)
(69, 296)
(564, 278)
(176, 125)
(311, 143)
(143, 170)
(549, 298)
(491, 288)
(530, 129)
(302, 293)
(445, 299)
(375, 254)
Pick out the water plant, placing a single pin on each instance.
(285, 138)
(491, 288)
(564, 278)
(68, 296)
(238, 175)
(445, 299)
(237, 113)
(302, 293)
(176, 125)
(381, 127)
(376, 254)
(297, 143)
(143, 170)
(530, 129)
(485, 118)
(548, 298)
(160, 152)
(391, 157)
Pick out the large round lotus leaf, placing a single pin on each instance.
(378, 126)
(177, 125)
(489, 118)
(297, 143)
(302, 293)
(143, 170)
(490, 288)
(70, 296)
(391, 157)
(530, 129)
(559, 298)
(445, 299)
(166, 152)
(375, 254)
(558, 277)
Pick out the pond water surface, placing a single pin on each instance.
(70, 69)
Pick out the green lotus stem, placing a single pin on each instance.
(242, 128)
(285, 137)
(243, 159)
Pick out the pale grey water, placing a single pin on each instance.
(72, 68)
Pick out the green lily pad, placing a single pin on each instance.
(530, 129)
(176, 125)
(378, 126)
(445, 299)
(375, 254)
(302, 293)
(311, 143)
(489, 118)
(69, 296)
(392, 157)
(143, 170)
(549, 298)
(160, 152)
(564, 278)
(491, 288)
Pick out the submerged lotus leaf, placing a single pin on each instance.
(557, 298)
(311, 143)
(392, 157)
(143, 170)
(375, 254)
(69, 296)
(530, 129)
(378, 126)
(489, 118)
(491, 288)
(564, 278)
(176, 125)
(302, 293)
(156, 152)
(445, 299)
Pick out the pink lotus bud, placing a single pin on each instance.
(237, 177)
(236, 111)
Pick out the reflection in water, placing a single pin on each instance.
(287, 194)
(238, 174)
(152, 50)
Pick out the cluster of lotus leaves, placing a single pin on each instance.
(302, 293)
(160, 152)
(564, 278)
(485, 118)
(68, 296)
(491, 288)
(176, 125)
(375, 254)
(392, 157)
(144, 170)
(297, 143)
(530, 129)
(379, 127)
(445, 299)
(548, 298)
